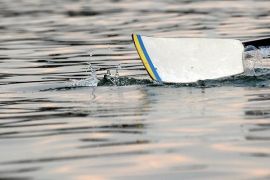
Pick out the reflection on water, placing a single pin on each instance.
(128, 127)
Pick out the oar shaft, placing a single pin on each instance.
(258, 42)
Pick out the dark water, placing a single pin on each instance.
(52, 126)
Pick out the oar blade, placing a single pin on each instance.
(184, 60)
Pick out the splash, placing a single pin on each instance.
(91, 80)
(112, 79)
(253, 58)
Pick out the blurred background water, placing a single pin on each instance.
(57, 122)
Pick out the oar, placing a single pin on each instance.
(258, 42)
(185, 60)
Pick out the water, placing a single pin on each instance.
(58, 121)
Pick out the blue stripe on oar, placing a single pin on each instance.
(148, 59)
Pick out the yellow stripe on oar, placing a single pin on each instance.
(142, 56)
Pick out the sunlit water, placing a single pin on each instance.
(59, 118)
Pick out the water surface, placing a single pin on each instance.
(54, 125)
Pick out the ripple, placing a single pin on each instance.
(60, 119)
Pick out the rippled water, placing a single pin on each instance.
(53, 125)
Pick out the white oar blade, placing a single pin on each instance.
(184, 60)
